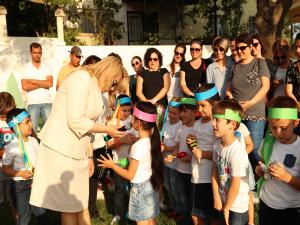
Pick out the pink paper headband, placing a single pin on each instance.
(144, 116)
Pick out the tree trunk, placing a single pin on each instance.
(269, 20)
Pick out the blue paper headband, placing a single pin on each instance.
(124, 100)
(18, 119)
(174, 104)
(201, 96)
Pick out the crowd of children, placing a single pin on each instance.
(201, 162)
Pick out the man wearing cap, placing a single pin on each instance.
(66, 70)
(36, 80)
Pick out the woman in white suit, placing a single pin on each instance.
(61, 175)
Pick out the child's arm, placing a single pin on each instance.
(215, 188)
(9, 171)
(125, 173)
(173, 154)
(279, 172)
(199, 154)
(249, 144)
(170, 148)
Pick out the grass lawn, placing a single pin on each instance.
(54, 219)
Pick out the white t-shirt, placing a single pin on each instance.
(241, 133)
(175, 89)
(274, 193)
(232, 161)
(123, 151)
(141, 151)
(40, 95)
(12, 154)
(180, 137)
(169, 140)
(201, 168)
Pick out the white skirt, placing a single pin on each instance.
(60, 183)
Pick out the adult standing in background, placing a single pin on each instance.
(61, 178)
(193, 72)
(36, 80)
(293, 75)
(174, 71)
(249, 84)
(137, 65)
(74, 63)
(234, 54)
(219, 71)
(153, 85)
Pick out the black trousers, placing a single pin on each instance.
(270, 216)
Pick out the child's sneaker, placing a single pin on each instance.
(115, 220)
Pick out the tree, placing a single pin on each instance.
(270, 18)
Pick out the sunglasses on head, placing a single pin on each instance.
(153, 59)
(255, 44)
(242, 48)
(135, 64)
(180, 54)
(280, 58)
(219, 49)
(195, 49)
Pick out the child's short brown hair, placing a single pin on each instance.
(283, 102)
(221, 107)
(7, 102)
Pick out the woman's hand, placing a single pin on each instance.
(91, 167)
(114, 132)
(106, 162)
(246, 105)
(128, 139)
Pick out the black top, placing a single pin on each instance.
(194, 77)
(153, 82)
(132, 89)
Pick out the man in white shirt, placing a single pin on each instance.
(36, 80)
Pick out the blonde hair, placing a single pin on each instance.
(110, 67)
(221, 42)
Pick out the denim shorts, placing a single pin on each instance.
(143, 202)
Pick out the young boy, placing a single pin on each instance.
(229, 173)
(280, 168)
(169, 146)
(7, 103)
(120, 150)
(187, 108)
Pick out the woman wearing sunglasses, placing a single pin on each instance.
(137, 65)
(193, 72)
(218, 72)
(174, 69)
(154, 82)
(281, 58)
(249, 84)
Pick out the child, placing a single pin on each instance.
(169, 146)
(145, 170)
(202, 208)
(280, 169)
(120, 150)
(7, 103)
(188, 107)
(229, 172)
(19, 162)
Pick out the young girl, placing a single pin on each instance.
(19, 162)
(202, 205)
(169, 146)
(145, 169)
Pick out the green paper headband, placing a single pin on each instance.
(283, 113)
(229, 115)
(188, 101)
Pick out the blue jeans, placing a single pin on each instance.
(35, 110)
(183, 197)
(170, 185)
(20, 194)
(256, 129)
